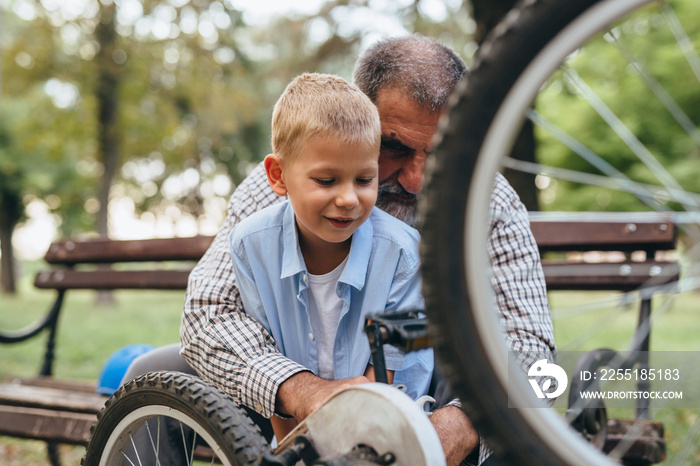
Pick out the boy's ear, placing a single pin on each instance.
(273, 168)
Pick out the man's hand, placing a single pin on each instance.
(302, 393)
(457, 435)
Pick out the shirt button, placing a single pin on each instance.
(303, 277)
(258, 407)
(311, 336)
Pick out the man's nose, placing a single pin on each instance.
(411, 176)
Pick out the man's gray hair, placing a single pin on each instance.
(426, 70)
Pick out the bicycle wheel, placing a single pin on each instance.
(537, 67)
(172, 418)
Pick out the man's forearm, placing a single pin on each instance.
(457, 435)
(303, 392)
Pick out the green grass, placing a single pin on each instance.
(610, 323)
(89, 334)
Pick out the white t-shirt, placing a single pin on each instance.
(324, 309)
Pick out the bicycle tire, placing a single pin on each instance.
(526, 47)
(196, 404)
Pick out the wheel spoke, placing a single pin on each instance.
(659, 91)
(184, 443)
(579, 148)
(158, 435)
(627, 136)
(127, 458)
(156, 446)
(616, 307)
(689, 445)
(194, 440)
(684, 42)
(136, 452)
(649, 194)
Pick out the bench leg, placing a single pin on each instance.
(642, 338)
(53, 454)
(52, 324)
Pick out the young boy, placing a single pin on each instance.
(311, 268)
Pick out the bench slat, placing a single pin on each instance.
(42, 424)
(112, 279)
(620, 276)
(50, 398)
(96, 251)
(50, 382)
(603, 236)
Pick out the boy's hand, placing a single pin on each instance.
(302, 393)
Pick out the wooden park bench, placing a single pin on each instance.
(58, 411)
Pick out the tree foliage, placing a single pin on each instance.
(175, 68)
(193, 86)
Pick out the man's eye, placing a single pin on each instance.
(391, 146)
(324, 181)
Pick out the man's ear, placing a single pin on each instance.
(273, 168)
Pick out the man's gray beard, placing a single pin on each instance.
(404, 210)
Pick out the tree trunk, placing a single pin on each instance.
(7, 267)
(487, 14)
(107, 94)
(7, 261)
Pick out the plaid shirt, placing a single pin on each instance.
(235, 352)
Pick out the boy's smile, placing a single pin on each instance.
(341, 222)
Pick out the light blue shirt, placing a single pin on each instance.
(382, 273)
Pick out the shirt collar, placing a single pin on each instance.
(355, 270)
(360, 252)
(292, 260)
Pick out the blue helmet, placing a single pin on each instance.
(116, 365)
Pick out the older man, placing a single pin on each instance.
(410, 79)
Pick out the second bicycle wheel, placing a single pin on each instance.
(551, 60)
(172, 418)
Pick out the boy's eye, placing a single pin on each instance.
(364, 181)
(324, 181)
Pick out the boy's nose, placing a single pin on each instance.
(346, 198)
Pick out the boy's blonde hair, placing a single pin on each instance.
(322, 105)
